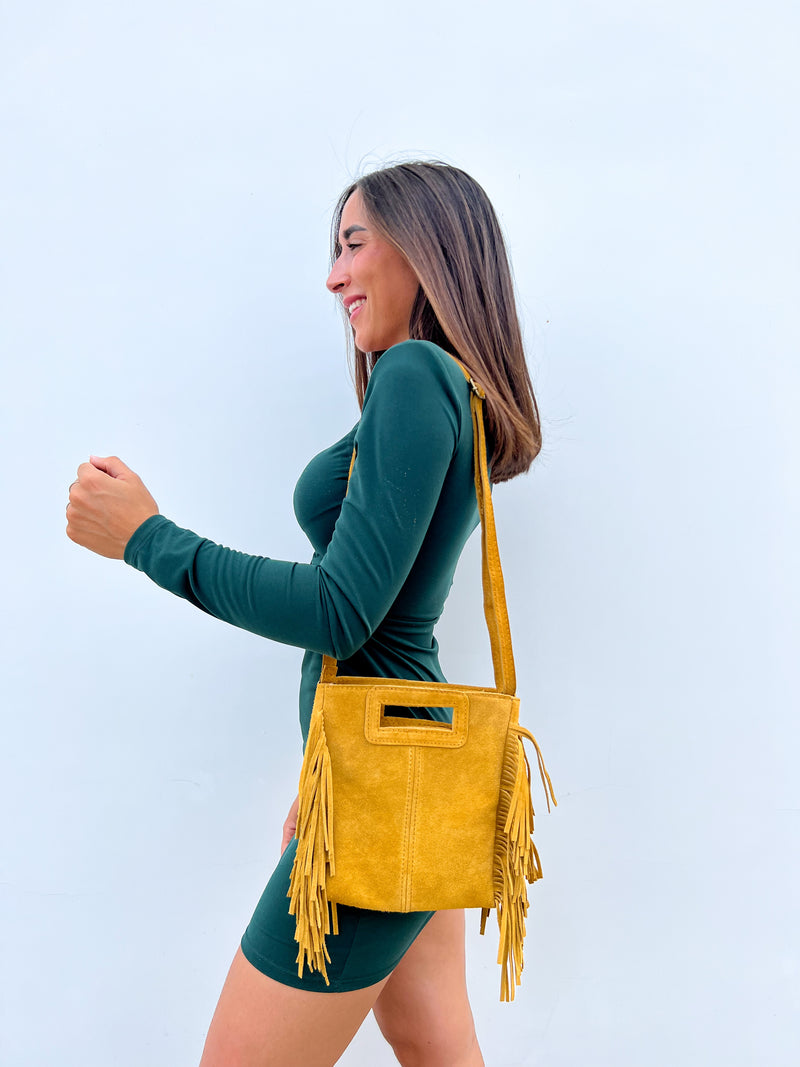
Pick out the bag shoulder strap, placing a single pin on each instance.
(494, 594)
(494, 591)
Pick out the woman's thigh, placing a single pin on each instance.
(423, 1009)
(261, 1023)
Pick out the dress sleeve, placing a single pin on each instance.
(405, 442)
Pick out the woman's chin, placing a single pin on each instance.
(363, 340)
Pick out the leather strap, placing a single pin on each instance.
(494, 594)
(494, 590)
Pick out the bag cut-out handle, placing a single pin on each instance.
(380, 729)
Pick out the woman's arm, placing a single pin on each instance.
(406, 438)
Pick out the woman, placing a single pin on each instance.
(421, 270)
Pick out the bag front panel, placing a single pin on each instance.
(429, 841)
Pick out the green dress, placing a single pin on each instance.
(383, 564)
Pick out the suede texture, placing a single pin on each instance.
(414, 805)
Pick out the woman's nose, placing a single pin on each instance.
(338, 278)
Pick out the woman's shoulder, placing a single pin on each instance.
(418, 365)
(416, 390)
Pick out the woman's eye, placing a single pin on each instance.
(353, 246)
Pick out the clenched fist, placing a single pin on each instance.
(107, 503)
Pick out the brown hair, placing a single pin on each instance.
(442, 222)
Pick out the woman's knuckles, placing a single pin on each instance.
(85, 472)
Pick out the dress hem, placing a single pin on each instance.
(291, 978)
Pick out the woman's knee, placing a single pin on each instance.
(424, 1011)
(450, 1043)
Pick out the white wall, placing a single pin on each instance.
(168, 174)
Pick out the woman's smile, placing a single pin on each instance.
(353, 305)
(356, 307)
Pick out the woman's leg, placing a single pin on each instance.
(261, 1023)
(423, 1010)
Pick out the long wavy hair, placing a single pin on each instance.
(442, 222)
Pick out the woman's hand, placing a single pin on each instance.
(106, 504)
(290, 825)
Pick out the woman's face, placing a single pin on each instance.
(374, 281)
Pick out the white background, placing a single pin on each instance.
(168, 173)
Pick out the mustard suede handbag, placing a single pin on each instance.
(400, 814)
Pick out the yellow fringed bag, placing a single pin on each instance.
(401, 814)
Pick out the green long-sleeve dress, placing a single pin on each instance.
(383, 563)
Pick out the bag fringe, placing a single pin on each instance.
(516, 858)
(315, 855)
